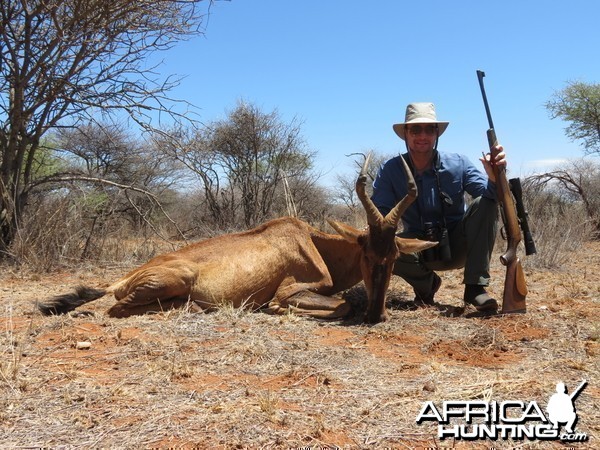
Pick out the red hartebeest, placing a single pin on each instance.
(284, 264)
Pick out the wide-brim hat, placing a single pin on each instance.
(419, 113)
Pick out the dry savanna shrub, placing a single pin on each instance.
(44, 236)
(559, 227)
(58, 232)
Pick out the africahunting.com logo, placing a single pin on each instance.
(512, 419)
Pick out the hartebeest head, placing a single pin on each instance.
(379, 243)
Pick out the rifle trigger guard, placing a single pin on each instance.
(503, 233)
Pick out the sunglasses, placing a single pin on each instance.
(429, 130)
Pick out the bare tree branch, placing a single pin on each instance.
(64, 63)
(148, 194)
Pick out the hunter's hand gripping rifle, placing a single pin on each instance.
(514, 218)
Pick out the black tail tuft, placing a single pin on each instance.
(62, 304)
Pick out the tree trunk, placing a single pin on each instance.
(8, 224)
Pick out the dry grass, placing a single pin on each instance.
(235, 379)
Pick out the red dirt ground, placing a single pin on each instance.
(234, 379)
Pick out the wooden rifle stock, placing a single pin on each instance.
(515, 287)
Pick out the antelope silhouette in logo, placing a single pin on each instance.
(284, 264)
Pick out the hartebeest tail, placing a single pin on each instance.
(62, 304)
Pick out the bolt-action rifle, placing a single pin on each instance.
(514, 218)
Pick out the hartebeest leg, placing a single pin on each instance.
(154, 289)
(305, 294)
(317, 305)
(311, 304)
(121, 310)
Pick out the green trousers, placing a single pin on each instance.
(471, 244)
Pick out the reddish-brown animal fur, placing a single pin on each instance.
(284, 264)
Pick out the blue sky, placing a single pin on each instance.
(348, 69)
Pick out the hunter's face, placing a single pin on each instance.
(421, 137)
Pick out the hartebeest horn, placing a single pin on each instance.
(393, 217)
(374, 217)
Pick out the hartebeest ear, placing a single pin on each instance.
(413, 245)
(346, 231)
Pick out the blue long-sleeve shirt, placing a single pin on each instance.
(457, 175)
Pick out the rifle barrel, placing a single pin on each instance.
(480, 75)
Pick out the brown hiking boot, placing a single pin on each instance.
(422, 299)
(477, 296)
